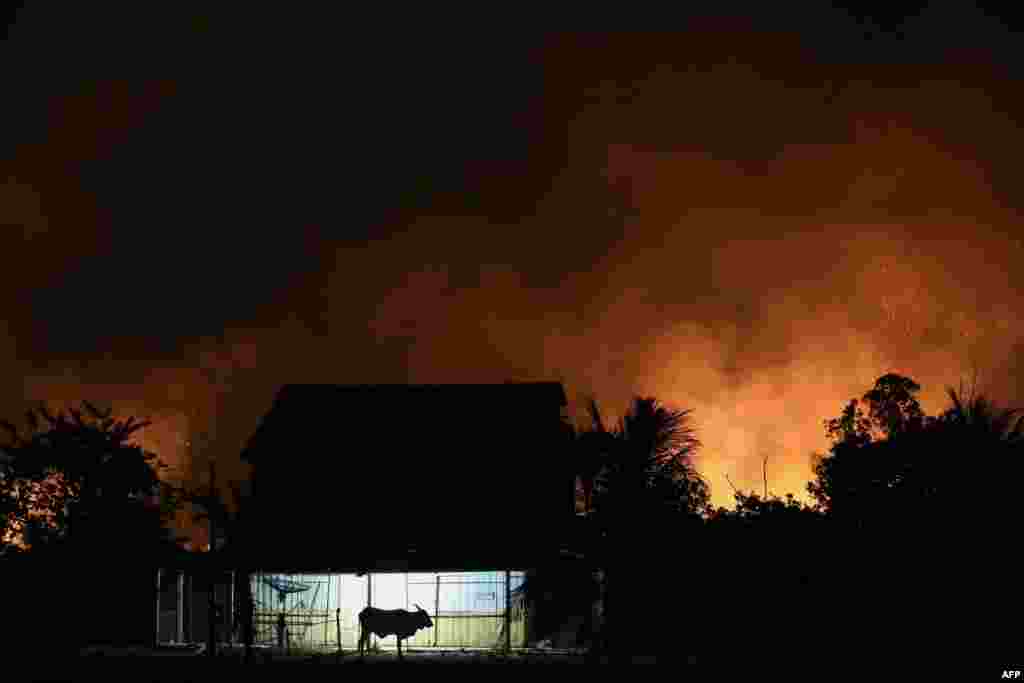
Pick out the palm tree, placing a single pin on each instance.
(592, 448)
(983, 419)
(975, 427)
(653, 446)
(633, 476)
(973, 430)
(641, 470)
(559, 590)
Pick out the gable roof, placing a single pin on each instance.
(463, 473)
(377, 406)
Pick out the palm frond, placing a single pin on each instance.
(595, 417)
(54, 420)
(98, 414)
(1017, 432)
(981, 416)
(12, 430)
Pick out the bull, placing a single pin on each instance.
(387, 622)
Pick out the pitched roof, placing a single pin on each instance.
(459, 471)
(296, 406)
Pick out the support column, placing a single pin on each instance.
(180, 611)
(248, 613)
(211, 614)
(230, 608)
(508, 611)
(369, 603)
(189, 608)
(156, 609)
(437, 606)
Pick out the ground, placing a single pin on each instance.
(174, 658)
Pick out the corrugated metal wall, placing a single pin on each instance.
(467, 608)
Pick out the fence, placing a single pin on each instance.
(469, 610)
(317, 612)
(305, 612)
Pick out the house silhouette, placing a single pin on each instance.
(408, 477)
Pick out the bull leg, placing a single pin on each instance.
(399, 648)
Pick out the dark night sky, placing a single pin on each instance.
(753, 217)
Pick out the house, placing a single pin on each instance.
(390, 495)
(429, 476)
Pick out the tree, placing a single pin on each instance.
(851, 427)
(893, 409)
(751, 508)
(858, 475)
(761, 554)
(553, 592)
(914, 474)
(893, 405)
(974, 432)
(982, 420)
(210, 569)
(638, 484)
(80, 495)
(648, 464)
(975, 427)
(913, 498)
(8, 507)
(76, 477)
(591, 451)
(647, 489)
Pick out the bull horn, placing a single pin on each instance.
(418, 607)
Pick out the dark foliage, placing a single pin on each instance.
(906, 513)
(76, 479)
(82, 496)
(644, 500)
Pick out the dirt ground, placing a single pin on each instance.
(193, 657)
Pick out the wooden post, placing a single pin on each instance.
(530, 620)
(180, 611)
(230, 608)
(437, 605)
(211, 522)
(337, 620)
(156, 610)
(607, 624)
(369, 603)
(508, 611)
(190, 632)
(248, 615)
(211, 614)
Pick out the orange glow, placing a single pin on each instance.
(727, 221)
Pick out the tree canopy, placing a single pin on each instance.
(914, 472)
(77, 476)
(643, 463)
